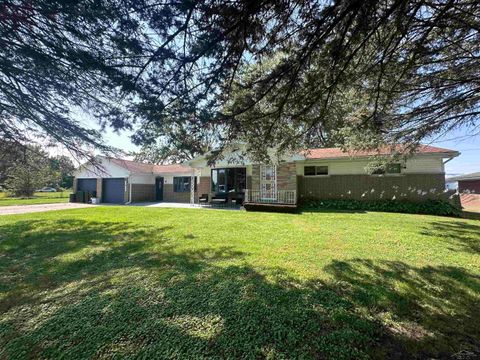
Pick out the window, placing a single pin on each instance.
(226, 180)
(315, 170)
(182, 184)
(394, 168)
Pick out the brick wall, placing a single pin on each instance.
(249, 182)
(99, 190)
(181, 197)
(204, 187)
(286, 177)
(126, 194)
(366, 187)
(255, 179)
(143, 192)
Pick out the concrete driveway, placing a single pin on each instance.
(24, 209)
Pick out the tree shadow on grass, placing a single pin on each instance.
(130, 291)
(120, 289)
(460, 235)
(426, 311)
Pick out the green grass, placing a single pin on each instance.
(184, 283)
(39, 198)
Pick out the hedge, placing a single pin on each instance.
(432, 207)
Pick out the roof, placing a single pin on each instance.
(138, 167)
(175, 168)
(472, 176)
(330, 153)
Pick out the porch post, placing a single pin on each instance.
(192, 188)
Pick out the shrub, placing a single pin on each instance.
(432, 207)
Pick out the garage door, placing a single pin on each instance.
(89, 185)
(113, 190)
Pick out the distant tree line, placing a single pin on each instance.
(25, 169)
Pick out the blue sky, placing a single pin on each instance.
(469, 147)
(460, 140)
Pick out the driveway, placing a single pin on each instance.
(470, 202)
(24, 209)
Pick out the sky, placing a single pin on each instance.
(469, 147)
(459, 140)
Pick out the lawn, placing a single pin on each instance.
(187, 283)
(39, 198)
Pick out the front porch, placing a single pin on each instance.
(251, 186)
(278, 201)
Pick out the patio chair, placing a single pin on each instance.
(203, 200)
(219, 201)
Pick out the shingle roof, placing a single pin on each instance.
(177, 169)
(138, 167)
(329, 153)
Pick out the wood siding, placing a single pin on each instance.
(470, 186)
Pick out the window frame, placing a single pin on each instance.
(316, 170)
(229, 174)
(385, 171)
(187, 190)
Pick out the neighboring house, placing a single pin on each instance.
(469, 183)
(327, 173)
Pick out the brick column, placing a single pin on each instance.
(99, 190)
(204, 187)
(286, 176)
(126, 195)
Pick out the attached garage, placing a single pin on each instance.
(123, 181)
(113, 190)
(88, 185)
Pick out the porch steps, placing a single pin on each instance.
(270, 207)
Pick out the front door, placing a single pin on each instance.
(268, 182)
(159, 189)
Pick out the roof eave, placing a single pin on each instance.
(450, 154)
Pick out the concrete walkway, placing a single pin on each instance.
(180, 205)
(24, 209)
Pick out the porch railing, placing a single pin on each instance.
(271, 197)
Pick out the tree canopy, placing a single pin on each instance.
(189, 75)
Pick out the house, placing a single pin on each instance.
(327, 173)
(469, 183)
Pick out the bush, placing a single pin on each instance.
(432, 207)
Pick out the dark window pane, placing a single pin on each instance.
(230, 179)
(394, 168)
(309, 170)
(182, 184)
(240, 179)
(322, 170)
